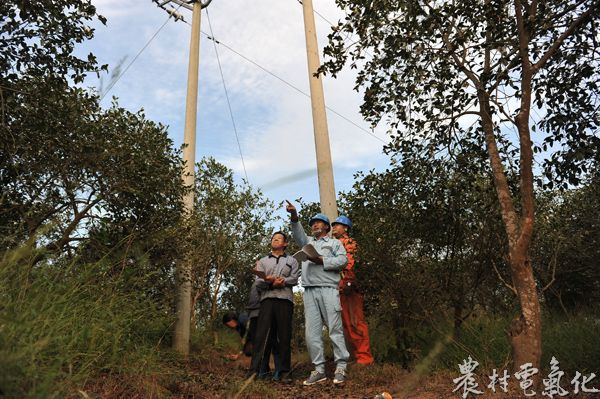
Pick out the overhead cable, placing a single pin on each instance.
(227, 98)
(210, 37)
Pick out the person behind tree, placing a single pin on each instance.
(276, 306)
(353, 318)
(321, 279)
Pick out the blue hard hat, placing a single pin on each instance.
(345, 220)
(319, 216)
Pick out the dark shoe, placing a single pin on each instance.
(286, 378)
(276, 376)
(263, 376)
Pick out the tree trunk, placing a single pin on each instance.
(213, 306)
(181, 333)
(195, 297)
(526, 328)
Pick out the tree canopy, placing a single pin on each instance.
(448, 75)
(426, 67)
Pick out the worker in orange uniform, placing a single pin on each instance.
(353, 318)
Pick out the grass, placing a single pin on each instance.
(61, 325)
(575, 342)
(67, 329)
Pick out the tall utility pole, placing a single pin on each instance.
(181, 336)
(324, 165)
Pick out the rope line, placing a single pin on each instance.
(292, 86)
(227, 98)
(211, 37)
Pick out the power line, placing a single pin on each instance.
(113, 83)
(318, 13)
(211, 37)
(227, 97)
(291, 85)
(348, 35)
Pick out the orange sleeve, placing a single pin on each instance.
(351, 248)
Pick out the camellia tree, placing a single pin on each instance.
(428, 237)
(567, 248)
(36, 65)
(444, 75)
(67, 166)
(70, 166)
(229, 232)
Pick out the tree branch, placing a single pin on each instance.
(522, 34)
(470, 74)
(33, 226)
(568, 9)
(455, 117)
(570, 30)
(56, 245)
(553, 271)
(510, 287)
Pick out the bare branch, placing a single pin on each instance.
(510, 287)
(554, 262)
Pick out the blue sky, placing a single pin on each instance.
(274, 121)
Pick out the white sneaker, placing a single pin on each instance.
(340, 376)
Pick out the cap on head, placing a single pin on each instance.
(345, 220)
(321, 217)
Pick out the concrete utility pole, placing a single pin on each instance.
(181, 337)
(324, 165)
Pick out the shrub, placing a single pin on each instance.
(61, 324)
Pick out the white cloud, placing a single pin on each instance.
(274, 121)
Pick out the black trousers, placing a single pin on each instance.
(250, 337)
(275, 316)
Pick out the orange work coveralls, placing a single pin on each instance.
(356, 330)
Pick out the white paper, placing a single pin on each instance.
(307, 251)
(310, 251)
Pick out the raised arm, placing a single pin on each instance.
(297, 230)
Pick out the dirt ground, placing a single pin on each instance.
(228, 379)
(210, 375)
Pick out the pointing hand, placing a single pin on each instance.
(290, 208)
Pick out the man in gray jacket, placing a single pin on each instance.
(281, 273)
(320, 279)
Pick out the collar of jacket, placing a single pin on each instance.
(285, 255)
